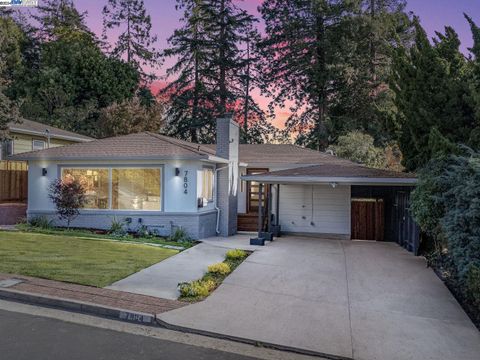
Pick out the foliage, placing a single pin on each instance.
(79, 260)
(432, 92)
(130, 116)
(446, 205)
(135, 42)
(359, 147)
(117, 227)
(40, 222)
(180, 235)
(219, 268)
(68, 198)
(196, 289)
(235, 254)
(209, 69)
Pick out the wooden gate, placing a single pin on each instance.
(13, 181)
(368, 219)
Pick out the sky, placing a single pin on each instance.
(434, 16)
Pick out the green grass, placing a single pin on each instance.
(85, 233)
(72, 259)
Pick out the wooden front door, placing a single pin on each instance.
(253, 192)
(368, 219)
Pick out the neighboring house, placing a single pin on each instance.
(163, 183)
(29, 135)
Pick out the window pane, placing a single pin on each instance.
(95, 183)
(136, 189)
(205, 179)
(38, 145)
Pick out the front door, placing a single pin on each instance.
(253, 192)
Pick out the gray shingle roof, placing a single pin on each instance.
(144, 145)
(36, 128)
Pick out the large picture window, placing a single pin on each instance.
(119, 188)
(136, 189)
(94, 182)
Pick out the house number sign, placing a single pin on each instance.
(185, 182)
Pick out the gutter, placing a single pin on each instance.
(52, 135)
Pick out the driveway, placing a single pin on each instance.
(361, 300)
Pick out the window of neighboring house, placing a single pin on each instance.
(6, 149)
(136, 189)
(94, 181)
(38, 145)
(119, 188)
(205, 186)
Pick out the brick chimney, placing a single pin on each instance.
(228, 138)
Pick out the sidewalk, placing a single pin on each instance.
(88, 294)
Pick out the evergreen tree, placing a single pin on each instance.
(136, 43)
(208, 68)
(431, 94)
(306, 50)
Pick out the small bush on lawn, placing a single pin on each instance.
(117, 228)
(219, 268)
(41, 222)
(236, 254)
(197, 288)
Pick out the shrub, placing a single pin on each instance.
(236, 254)
(41, 222)
(68, 197)
(117, 228)
(180, 235)
(197, 288)
(219, 268)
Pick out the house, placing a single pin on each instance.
(30, 135)
(162, 183)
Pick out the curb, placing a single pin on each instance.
(267, 345)
(79, 306)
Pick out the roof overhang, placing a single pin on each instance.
(265, 179)
(52, 135)
(26, 157)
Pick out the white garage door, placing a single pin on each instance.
(317, 209)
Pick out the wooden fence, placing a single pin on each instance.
(13, 181)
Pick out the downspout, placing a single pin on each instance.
(217, 230)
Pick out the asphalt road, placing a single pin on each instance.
(28, 337)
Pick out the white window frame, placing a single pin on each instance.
(199, 195)
(38, 141)
(110, 184)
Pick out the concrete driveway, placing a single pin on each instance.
(360, 300)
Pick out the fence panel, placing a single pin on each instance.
(13, 181)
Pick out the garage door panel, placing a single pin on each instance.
(331, 209)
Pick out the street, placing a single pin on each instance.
(28, 337)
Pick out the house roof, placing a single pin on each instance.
(144, 145)
(266, 155)
(35, 128)
(331, 172)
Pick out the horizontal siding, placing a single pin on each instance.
(331, 209)
(23, 143)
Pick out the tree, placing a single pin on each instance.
(131, 116)
(306, 48)
(359, 147)
(208, 68)
(135, 42)
(68, 198)
(432, 94)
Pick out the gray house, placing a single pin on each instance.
(165, 183)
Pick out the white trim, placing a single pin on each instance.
(331, 179)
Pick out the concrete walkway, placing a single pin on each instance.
(361, 300)
(161, 280)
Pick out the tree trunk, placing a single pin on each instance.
(196, 92)
(247, 93)
(373, 49)
(129, 56)
(320, 75)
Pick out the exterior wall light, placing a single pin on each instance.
(44, 171)
(333, 184)
(177, 171)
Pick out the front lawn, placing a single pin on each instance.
(72, 259)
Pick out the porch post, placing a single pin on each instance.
(260, 208)
(277, 206)
(269, 212)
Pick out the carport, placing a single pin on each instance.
(337, 201)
